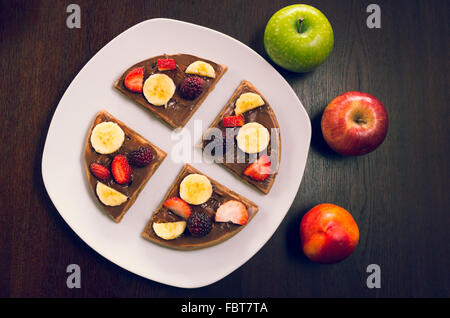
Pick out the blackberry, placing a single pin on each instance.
(199, 223)
(140, 157)
(229, 137)
(225, 141)
(191, 87)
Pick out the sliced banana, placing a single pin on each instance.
(107, 137)
(195, 189)
(201, 68)
(169, 230)
(109, 196)
(253, 138)
(248, 101)
(158, 89)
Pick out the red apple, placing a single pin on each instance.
(329, 233)
(354, 123)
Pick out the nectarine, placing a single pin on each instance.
(328, 233)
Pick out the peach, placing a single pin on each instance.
(328, 233)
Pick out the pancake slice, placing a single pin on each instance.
(115, 179)
(172, 224)
(245, 138)
(162, 88)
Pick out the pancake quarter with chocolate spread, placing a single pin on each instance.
(118, 163)
(245, 138)
(198, 212)
(175, 97)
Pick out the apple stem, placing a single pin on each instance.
(300, 20)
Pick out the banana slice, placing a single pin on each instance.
(108, 196)
(169, 230)
(158, 89)
(247, 101)
(195, 189)
(107, 137)
(253, 138)
(201, 68)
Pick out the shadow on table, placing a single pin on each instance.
(318, 143)
(293, 241)
(257, 44)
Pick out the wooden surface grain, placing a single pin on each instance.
(398, 195)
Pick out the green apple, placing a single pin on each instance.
(298, 38)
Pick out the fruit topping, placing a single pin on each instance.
(191, 87)
(215, 145)
(169, 230)
(107, 137)
(121, 170)
(166, 64)
(253, 138)
(248, 101)
(134, 80)
(233, 121)
(99, 171)
(201, 68)
(140, 157)
(218, 145)
(232, 211)
(159, 89)
(109, 196)
(259, 170)
(199, 223)
(229, 137)
(195, 189)
(178, 206)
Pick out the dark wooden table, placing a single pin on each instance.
(399, 194)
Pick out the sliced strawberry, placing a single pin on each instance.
(121, 169)
(166, 64)
(233, 121)
(259, 170)
(135, 80)
(178, 206)
(99, 171)
(232, 211)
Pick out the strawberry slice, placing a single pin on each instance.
(259, 170)
(121, 169)
(233, 121)
(166, 64)
(99, 171)
(178, 206)
(232, 211)
(135, 79)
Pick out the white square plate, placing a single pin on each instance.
(92, 90)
